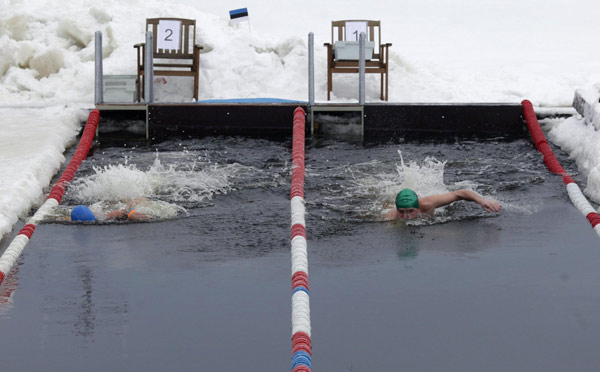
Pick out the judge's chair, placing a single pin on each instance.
(175, 50)
(343, 51)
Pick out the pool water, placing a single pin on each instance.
(209, 289)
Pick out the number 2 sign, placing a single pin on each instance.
(169, 35)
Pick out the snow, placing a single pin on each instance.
(582, 142)
(460, 51)
(31, 149)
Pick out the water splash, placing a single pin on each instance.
(372, 189)
(172, 183)
(425, 179)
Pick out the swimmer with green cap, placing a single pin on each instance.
(409, 206)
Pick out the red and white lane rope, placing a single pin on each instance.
(575, 194)
(301, 342)
(14, 250)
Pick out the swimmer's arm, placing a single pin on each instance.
(117, 213)
(429, 203)
(436, 201)
(487, 204)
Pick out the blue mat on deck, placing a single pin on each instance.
(252, 100)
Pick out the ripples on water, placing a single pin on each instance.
(346, 182)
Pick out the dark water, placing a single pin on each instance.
(210, 289)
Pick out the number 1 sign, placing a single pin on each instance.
(353, 30)
(169, 35)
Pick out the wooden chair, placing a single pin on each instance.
(175, 50)
(377, 64)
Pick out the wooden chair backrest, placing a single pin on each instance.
(338, 28)
(187, 42)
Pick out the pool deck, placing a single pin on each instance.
(255, 118)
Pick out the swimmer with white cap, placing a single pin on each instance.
(409, 206)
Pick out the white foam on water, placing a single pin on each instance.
(118, 182)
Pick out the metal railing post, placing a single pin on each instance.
(311, 79)
(149, 69)
(361, 68)
(311, 69)
(98, 81)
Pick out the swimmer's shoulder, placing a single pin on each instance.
(392, 214)
(426, 205)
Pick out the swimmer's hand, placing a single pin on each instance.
(489, 205)
(137, 216)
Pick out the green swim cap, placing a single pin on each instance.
(407, 199)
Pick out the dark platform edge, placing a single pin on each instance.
(378, 120)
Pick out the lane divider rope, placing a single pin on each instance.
(15, 248)
(301, 334)
(574, 192)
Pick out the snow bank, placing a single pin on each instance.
(582, 142)
(31, 155)
(467, 52)
(49, 51)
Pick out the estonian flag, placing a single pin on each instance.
(238, 15)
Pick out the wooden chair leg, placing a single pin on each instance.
(197, 71)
